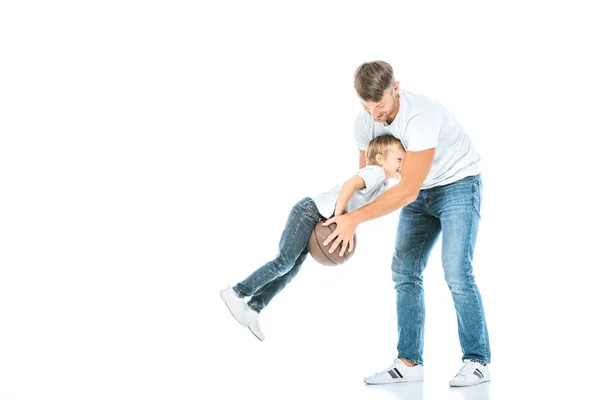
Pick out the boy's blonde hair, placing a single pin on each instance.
(382, 145)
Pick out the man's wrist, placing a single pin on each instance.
(356, 217)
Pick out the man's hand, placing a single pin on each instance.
(343, 233)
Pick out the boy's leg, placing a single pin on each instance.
(292, 245)
(266, 293)
(459, 210)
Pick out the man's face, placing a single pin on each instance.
(384, 109)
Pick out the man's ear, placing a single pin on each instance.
(396, 87)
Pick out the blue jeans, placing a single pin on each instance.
(454, 211)
(264, 283)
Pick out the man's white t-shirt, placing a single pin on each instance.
(375, 184)
(422, 124)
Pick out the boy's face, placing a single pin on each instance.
(392, 164)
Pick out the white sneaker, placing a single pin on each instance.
(237, 306)
(396, 373)
(252, 318)
(471, 373)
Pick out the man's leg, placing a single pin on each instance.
(417, 233)
(458, 205)
(416, 236)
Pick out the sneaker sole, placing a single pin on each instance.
(467, 385)
(257, 336)
(245, 325)
(394, 381)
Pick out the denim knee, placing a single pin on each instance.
(403, 269)
(282, 264)
(459, 283)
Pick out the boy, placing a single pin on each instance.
(384, 161)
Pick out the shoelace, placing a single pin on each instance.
(467, 368)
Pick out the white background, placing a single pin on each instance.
(150, 153)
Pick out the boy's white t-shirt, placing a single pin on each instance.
(422, 124)
(375, 184)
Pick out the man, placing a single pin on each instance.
(440, 192)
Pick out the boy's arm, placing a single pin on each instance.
(415, 168)
(348, 189)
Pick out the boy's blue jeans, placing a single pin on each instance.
(264, 283)
(454, 211)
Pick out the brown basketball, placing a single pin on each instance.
(321, 253)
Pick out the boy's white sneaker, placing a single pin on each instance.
(252, 318)
(237, 306)
(471, 373)
(396, 373)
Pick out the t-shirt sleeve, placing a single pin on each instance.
(361, 132)
(423, 132)
(373, 176)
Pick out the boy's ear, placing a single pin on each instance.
(379, 159)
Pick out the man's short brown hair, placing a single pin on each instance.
(372, 79)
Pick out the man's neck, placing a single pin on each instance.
(396, 110)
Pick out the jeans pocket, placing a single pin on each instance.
(313, 216)
(309, 210)
(477, 190)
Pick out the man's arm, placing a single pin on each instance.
(415, 168)
(414, 171)
(362, 159)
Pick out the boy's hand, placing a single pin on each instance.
(343, 233)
